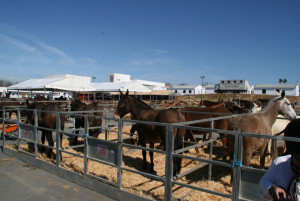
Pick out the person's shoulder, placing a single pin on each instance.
(282, 159)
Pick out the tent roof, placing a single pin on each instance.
(68, 83)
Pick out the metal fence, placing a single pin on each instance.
(110, 152)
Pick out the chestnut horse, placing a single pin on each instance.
(93, 109)
(150, 133)
(47, 120)
(259, 123)
(196, 113)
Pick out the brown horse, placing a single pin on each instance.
(47, 120)
(259, 123)
(196, 113)
(151, 133)
(90, 109)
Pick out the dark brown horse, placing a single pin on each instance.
(90, 109)
(9, 102)
(291, 130)
(259, 123)
(149, 133)
(47, 120)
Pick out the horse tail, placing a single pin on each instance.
(178, 145)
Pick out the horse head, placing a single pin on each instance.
(285, 107)
(122, 107)
(29, 113)
(76, 104)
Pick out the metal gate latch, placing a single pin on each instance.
(236, 163)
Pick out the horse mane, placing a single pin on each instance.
(270, 103)
(140, 101)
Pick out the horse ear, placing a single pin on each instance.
(121, 93)
(283, 93)
(276, 92)
(27, 102)
(127, 92)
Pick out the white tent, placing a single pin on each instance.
(61, 82)
(116, 86)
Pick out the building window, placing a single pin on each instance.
(176, 91)
(264, 91)
(111, 78)
(190, 91)
(184, 91)
(277, 90)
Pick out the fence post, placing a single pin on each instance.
(120, 155)
(237, 158)
(3, 131)
(19, 130)
(57, 139)
(36, 124)
(169, 162)
(86, 146)
(86, 133)
(106, 125)
(210, 151)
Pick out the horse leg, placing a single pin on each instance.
(204, 137)
(177, 161)
(224, 139)
(247, 157)
(151, 158)
(43, 142)
(190, 135)
(143, 144)
(263, 152)
(50, 142)
(132, 130)
(77, 126)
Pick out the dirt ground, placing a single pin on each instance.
(147, 187)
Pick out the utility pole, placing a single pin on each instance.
(202, 77)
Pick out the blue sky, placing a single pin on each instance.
(166, 41)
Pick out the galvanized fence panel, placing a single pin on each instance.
(110, 152)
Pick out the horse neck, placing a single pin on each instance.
(137, 108)
(270, 112)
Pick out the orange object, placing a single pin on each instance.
(9, 128)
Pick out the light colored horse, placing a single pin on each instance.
(260, 123)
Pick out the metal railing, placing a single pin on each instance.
(110, 152)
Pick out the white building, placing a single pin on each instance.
(290, 89)
(3, 91)
(209, 89)
(181, 90)
(117, 77)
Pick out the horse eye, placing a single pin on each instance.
(288, 103)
